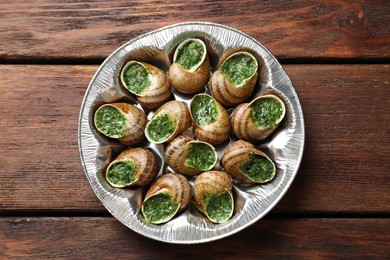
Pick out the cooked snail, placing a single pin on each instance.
(235, 80)
(213, 195)
(121, 121)
(247, 164)
(190, 157)
(137, 166)
(258, 119)
(211, 120)
(168, 121)
(170, 194)
(150, 84)
(190, 69)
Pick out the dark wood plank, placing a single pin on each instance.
(75, 238)
(293, 29)
(344, 169)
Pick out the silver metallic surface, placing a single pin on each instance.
(285, 146)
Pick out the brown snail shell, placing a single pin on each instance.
(134, 132)
(226, 92)
(177, 152)
(246, 129)
(177, 111)
(145, 162)
(212, 183)
(216, 132)
(190, 80)
(157, 93)
(236, 155)
(177, 186)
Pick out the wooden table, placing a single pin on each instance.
(337, 54)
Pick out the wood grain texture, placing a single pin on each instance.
(344, 169)
(80, 30)
(76, 238)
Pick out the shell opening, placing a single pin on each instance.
(190, 54)
(239, 68)
(136, 78)
(160, 207)
(219, 207)
(267, 111)
(111, 121)
(204, 109)
(161, 127)
(201, 156)
(258, 168)
(122, 173)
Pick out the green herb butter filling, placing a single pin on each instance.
(219, 207)
(201, 156)
(190, 54)
(121, 173)
(258, 168)
(266, 112)
(238, 68)
(204, 110)
(135, 78)
(160, 207)
(110, 121)
(161, 127)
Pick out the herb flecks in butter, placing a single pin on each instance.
(122, 173)
(160, 207)
(190, 54)
(204, 110)
(111, 121)
(239, 68)
(161, 127)
(136, 78)
(258, 168)
(265, 112)
(200, 156)
(219, 207)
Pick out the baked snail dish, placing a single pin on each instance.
(213, 195)
(210, 118)
(235, 79)
(258, 119)
(189, 157)
(190, 69)
(121, 121)
(168, 195)
(147, 82)
(132, 167)
(168, 121)
(247, 164)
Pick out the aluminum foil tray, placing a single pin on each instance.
(285, 146)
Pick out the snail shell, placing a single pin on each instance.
(213, 131)
(193, 79)
(179, 158)
(240, 156)
(175, 186)
(130, 130)
(156, 93)
(227, 92)
(176, 113)
(244, 125)
(217, 184)
(141, 162)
